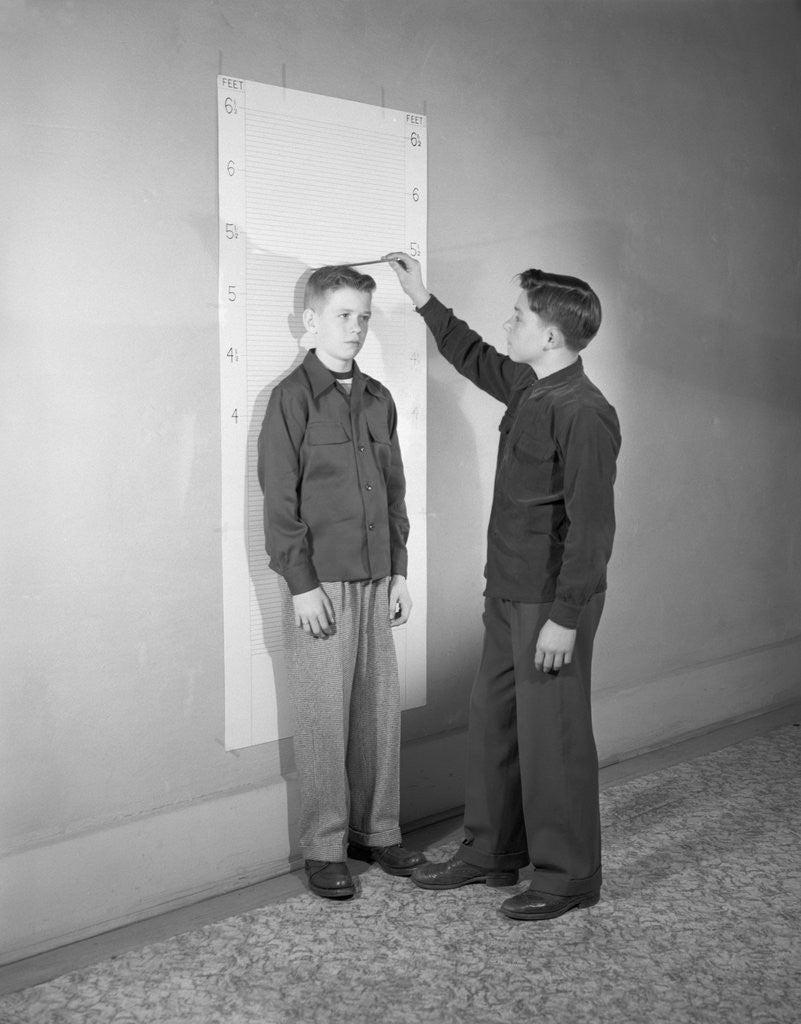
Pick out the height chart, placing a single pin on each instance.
(307, 180)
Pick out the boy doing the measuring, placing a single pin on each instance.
(335, 529)
(532, 774)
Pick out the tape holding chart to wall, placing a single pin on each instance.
(307, 180)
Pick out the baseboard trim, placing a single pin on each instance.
(63, 892)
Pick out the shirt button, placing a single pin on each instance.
(362, 448)
(368, 487)
(370, 526)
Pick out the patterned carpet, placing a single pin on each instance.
(700, 921)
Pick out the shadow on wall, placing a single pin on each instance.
(460, 474)
(258, 559)
(433, 754)
(257, 556)
(456, 525)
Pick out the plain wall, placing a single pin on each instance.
(650, 147)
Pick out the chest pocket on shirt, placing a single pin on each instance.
(530, 448)
(328, 451)
(533, 466)
(380, 441)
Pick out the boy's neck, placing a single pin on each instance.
(555, 364)
(334, 364)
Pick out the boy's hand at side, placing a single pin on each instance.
(554, 647)
(410, 276)
(314, 613)
(400, 603)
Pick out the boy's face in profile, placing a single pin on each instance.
(338, 326)
(526, 333)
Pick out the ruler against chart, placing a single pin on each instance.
(307, 180)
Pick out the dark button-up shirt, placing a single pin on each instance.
(553, 519)
(331, 471)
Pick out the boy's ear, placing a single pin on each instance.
(310, 320)
(555, 338)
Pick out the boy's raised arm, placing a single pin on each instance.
(458, 343)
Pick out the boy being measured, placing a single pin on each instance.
(335, 529)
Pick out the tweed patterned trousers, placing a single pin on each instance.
(345, 695)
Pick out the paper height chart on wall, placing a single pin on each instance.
(307, 180)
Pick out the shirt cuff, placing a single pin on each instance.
(301, 579)
(564, 615)
(400, 563)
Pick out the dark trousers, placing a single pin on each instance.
(532, 774)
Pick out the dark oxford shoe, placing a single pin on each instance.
(453, 873)
(395, 860)
(330, 878)
(541, 906)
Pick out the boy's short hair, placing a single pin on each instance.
(329, 278)
(567, 302)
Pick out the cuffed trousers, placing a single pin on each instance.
(345, 696)
(532, 775)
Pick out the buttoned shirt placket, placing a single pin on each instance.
(366, 469)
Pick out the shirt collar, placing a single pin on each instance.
(553, 380)
(321, 378)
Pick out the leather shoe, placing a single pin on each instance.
(541, 906)
(395, 860)
(330, 878)
(454, 873)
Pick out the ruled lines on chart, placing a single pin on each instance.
(304, 181)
